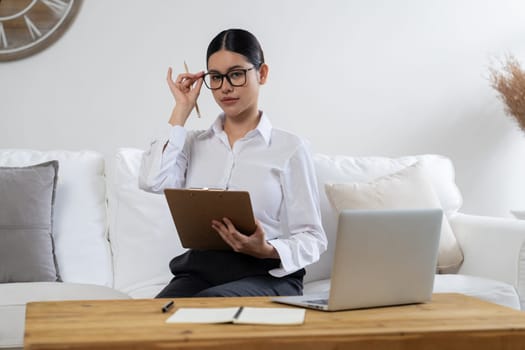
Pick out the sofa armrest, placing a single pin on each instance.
(492, 247)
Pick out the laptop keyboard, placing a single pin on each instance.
(318, 301)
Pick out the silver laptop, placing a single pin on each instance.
(382, 258)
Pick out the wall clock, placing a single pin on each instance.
(29, 26)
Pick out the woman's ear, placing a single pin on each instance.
(263, 73)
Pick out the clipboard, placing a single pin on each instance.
(193, 210)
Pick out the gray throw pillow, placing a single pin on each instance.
(27, 196)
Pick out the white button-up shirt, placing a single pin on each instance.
(274, 166)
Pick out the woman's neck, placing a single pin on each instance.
(237, 128)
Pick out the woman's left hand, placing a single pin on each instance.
(254, 245)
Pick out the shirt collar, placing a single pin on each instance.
(215, 128)
(264, 128)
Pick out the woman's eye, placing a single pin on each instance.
(235, 75)
(216, 77)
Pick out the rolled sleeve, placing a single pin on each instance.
(306, 239)
(157, 165)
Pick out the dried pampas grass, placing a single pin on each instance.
(510, 83)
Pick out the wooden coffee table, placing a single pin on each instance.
(450, 321)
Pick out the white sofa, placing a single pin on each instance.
(114, 241)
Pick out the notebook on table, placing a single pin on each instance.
(382, 258)
(194, 209)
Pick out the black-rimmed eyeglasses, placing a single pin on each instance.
(236, 77)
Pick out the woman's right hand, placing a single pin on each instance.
(185, 89)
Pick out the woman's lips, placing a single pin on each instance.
(229, 100)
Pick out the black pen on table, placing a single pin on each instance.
(167, 306)
(238, 313)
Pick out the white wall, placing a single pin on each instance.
(372, 77)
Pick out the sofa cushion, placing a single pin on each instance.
(341, 169)
(26, 220)
(482, 288)
(16, 295)
(79, 225)
(149, 290)
(405, 189)
(142, 233)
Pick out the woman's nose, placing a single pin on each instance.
(226, 86)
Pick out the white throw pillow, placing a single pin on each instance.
(142, 233)
(405, 189)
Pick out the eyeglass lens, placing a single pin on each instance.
(235, 77)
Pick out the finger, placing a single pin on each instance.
(179, 80)
(218, 224)
(188, 76)
(190, 82)
(198, 86)
(225, 235)
(231, 230)
(169, 79)
(221, 228)
(218, 227)
(229, 225)
(236, 237)
(197, 75)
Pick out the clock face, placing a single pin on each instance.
(29, 26)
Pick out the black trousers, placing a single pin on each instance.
(217, 273)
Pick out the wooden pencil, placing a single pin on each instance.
(196, 105)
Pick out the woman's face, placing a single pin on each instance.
(237, 102)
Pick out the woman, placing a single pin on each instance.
(240, 151)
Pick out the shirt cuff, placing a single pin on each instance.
(287, 266)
